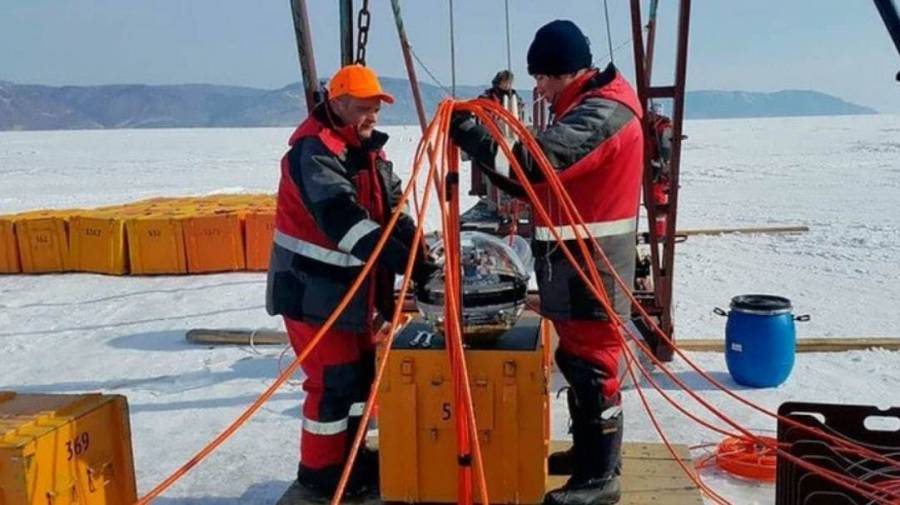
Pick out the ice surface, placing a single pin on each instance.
(76, 332)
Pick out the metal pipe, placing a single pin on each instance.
(305, 53)
(888, 11)
(538, 111)
(452, 54)
(651, 41)
(346, 32)
(508, 44)
(637, 38)
(608, 32)
(410, 66)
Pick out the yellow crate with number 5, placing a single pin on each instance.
(65, 450)
(509, 381)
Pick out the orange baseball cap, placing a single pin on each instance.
(359, 82)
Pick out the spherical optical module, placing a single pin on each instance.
(494, 275)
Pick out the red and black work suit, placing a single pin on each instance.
(595, 143)
(335, 195)
(497, 94)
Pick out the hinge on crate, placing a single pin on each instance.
(407, 370)
(71, 490)
(104, 472)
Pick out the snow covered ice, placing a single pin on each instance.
(74, 333)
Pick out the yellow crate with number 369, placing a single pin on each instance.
(65, 450)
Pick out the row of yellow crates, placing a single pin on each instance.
(160, 236)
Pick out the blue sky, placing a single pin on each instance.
(836, 46)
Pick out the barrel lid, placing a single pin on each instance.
(765, 305)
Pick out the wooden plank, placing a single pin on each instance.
(754, 230)
(236, 337)
(275, 337)
(649, 475)
(803, 344)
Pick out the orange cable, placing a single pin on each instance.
(454, 306)
(834, 477)
(597, 289)
(542, 212)
(564, 197)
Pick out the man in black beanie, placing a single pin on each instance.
(595, 143)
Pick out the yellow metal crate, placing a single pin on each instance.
(65, 450)
(156, 245)
(416, 425)
(43, 241)
(9, 247)
(259, 227)
(214, 242)
(97, 243)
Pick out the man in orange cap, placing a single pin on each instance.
(337, 192)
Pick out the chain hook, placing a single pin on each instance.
(362, 21)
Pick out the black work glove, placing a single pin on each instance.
(460, 123)
(423, 270)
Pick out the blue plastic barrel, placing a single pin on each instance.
(760, 339)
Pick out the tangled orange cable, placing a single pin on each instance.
(483, 110)
(440, 153)
(435, 144)
(744, 458)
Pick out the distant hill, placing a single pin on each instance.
(736, 104)
(35, 107)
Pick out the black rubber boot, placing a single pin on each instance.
(319, 485)
(596, 437)
(365, 469)
(595, 480)
(563, 462)
(586, 492)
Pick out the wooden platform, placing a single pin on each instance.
(650, 475)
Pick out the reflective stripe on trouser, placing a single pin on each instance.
(338, 377)
(597, 230)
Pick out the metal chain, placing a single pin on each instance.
(362, 21)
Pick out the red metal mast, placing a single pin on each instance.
(662, 249)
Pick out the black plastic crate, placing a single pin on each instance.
(798, 486)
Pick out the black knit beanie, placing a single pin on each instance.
(559, 48)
